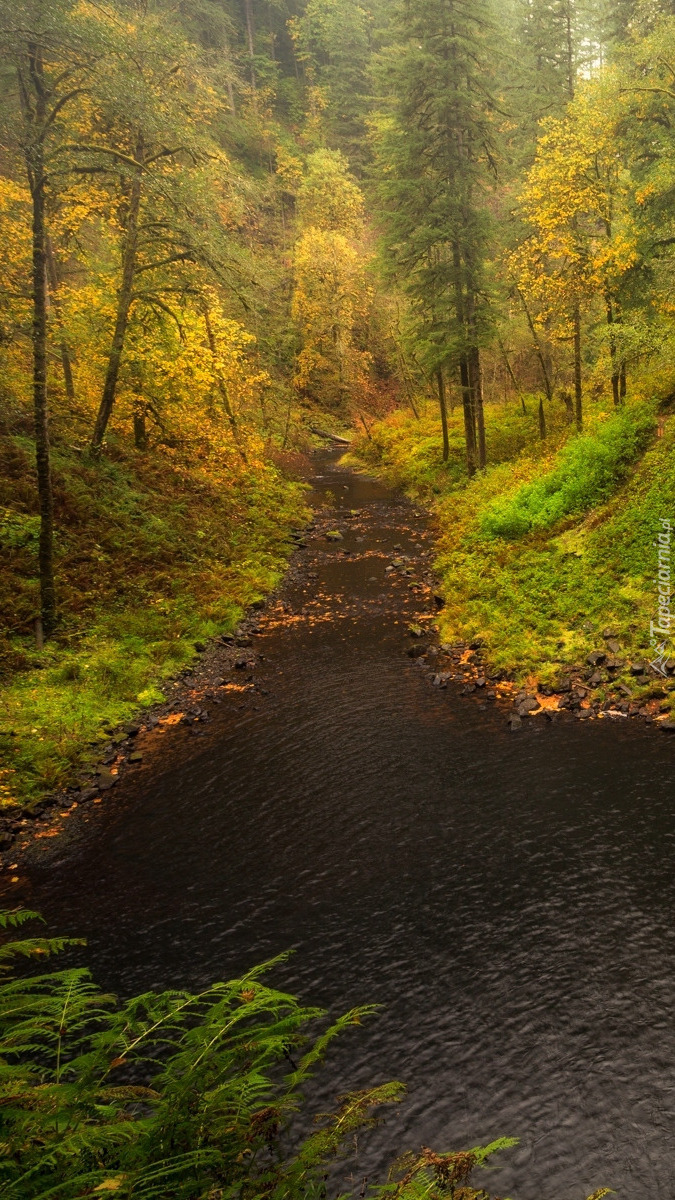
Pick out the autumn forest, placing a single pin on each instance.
(433, 239)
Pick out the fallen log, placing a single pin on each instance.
(331, 437)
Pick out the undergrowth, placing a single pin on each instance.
(544, 551)
(176, 1096)
(154, 553)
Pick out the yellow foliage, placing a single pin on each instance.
(581, 240)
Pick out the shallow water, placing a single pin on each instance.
(507, 898)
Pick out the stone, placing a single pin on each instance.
(637, 668)
(596, 679)
(241, 663)
(415, 631)
(200, 647)
(597, 656)
(334, 535)
(514, 723)
(613, 646)
(564, 686)
(416, 651)
(441, 680)
(136, 757)
(106, 779)
(527, 705)
(667, 726)
(609, 633)
(481, 682)
(614, 664)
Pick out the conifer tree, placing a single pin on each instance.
(436, 150)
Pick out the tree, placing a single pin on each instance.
(436, 149)
(333, 39)
(581, 242)
(147, 139)
(48, 57)
(330, 293)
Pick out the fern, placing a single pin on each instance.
(180, 1096)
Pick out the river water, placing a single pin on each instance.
(508, 898)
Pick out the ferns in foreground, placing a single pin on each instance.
(179, 1096)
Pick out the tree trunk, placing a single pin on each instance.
(36, 173)
(537, 347)
(578, 398)
(228, 82)
(251, 51)
(444, 414)
(229, 411)
(542, 419)
(571, 65)
(53, 276)
(140, 431)
(476, 382)
(509, 369)
(616, 372)
(469, 416)
(464, 374)
(622, 381)
(124, 300)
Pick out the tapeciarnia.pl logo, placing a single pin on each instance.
(660, 629)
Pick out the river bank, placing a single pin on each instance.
(489, 889)
(226, 670)
(157, 554)
(229, 671)
(548, 560)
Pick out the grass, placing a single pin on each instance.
(545, 549)
(154, 554)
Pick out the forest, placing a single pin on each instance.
(439, 234)
(442, 229)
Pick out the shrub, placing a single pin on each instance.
(589, 469)
(175, 1096)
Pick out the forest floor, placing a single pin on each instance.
(156, 555)
(548, 559)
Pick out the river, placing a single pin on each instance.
(507, 898)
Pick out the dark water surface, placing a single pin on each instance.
(508, 898)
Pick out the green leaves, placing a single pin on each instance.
(181, 1096)
(588, 471)
(166, 1095)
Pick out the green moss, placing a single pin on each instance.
(152, 557)
(539, 554)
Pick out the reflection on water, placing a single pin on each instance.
(507, 898)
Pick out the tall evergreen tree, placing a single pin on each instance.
(335, 38)
(436, 150)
